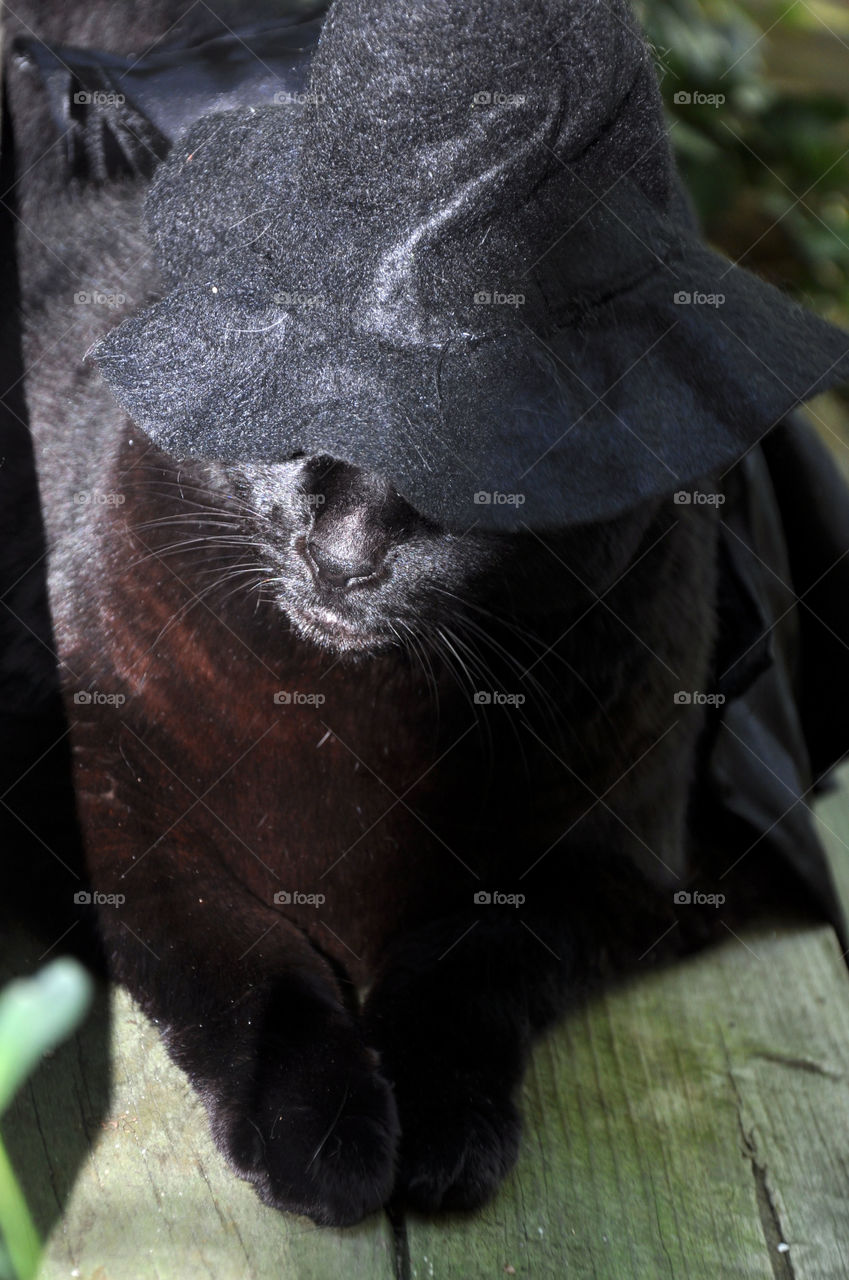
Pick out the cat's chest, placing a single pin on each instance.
(332, 792)
(232, 759)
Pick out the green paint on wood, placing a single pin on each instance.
(683, 1126)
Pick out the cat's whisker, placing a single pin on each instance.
(508, 657)
(175, 617)
(418, 650)
(191, 518)
(449, 658)
(545, 701)
(501, 620)
(240, 586)
(205, 545)
(244, 567)
(200, 597)
(488, 676)
(542, 695)
(216, 499)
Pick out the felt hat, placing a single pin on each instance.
(460, 257)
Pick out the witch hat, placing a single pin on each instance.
(462, 259)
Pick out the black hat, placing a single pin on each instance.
(460, 257)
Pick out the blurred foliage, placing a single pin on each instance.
(36, 1014)
(768, 168)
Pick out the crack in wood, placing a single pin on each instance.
(799, 1064)
(781, 1263)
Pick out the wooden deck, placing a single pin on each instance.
(692, 1124)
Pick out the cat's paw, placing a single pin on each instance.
(315, 1132)
(460, 1139)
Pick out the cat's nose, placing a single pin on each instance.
(332, 569)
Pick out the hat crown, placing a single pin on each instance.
(435, 159)
(464, 296)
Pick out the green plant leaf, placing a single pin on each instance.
(36, 1014)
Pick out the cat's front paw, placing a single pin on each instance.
(460, 1140)
(316, 1132)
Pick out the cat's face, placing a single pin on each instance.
(354, 568)
(357, 571)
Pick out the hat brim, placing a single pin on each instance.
(666, 381)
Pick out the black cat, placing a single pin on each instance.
(365, 799)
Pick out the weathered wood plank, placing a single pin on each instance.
(680, 1126)
(153, 1198)
(683, 1126)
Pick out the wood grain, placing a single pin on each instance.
(683, 1125)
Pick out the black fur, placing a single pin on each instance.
(370, 1044)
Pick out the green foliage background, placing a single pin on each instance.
(769, 167)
